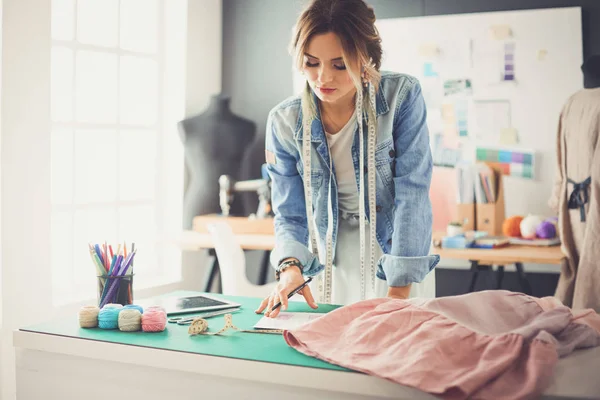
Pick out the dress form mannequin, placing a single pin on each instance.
(215, 142)
(576, 194)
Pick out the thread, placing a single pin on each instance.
(108, 318)
(154, 319)
(158, 308)
(546, 230)
(88, 317)
(130, 320)
(134, 307)
(528, 226)
(113, 305)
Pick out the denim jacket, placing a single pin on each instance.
(403, 164)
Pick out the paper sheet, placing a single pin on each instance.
(492, 117)
(286, 320)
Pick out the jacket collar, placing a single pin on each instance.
(317, 133)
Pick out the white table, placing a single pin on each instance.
(58, 367)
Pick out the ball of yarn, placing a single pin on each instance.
(158, 308)
(512, 226)
(529, 225)
(130, 320)
(553, 221)
(134, 307)
(88, 316)
(154, 319)
(546, 230)
(113, 305)
(108, 318)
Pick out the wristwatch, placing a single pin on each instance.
(285, 265)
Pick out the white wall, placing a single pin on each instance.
(204, 49)
(25, 277)
(204, 72)
(25, 173)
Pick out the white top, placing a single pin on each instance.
(340, 148)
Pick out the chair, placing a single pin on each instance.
(232, 264)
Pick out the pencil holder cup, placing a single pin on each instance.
(115, 289)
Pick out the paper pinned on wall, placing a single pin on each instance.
(428, 50)
(454, 58)
(488, 61)
(428, 70)
(509, 61)
(491, 118)
(500, 32)
(458, 87)
(450, 134)
(509, 137)
(443, 154)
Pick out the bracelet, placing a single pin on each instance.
(285, 265)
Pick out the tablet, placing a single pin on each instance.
(190, 304)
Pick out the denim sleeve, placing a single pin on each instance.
(409, 260)
(287, 199)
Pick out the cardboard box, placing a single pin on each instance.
(465, 214)
(490, 216)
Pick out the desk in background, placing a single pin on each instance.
(258, 234)
(484, 259)
(251, 234)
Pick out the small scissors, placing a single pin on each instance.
(190, 319)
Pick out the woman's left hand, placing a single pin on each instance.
(399, 292)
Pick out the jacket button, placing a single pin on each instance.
(392, 153)
(390, 241)
(378, 208)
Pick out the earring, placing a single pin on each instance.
(365, 78)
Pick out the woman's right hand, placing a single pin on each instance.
(289, 280)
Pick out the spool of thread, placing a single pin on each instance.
(134, 307)
(130, 320)
(158, 308)
(546, 230)
(88, 317)
(529, 225)
(108, 318)
(512, 226)
(154, 319)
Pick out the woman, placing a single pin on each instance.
(349, 159)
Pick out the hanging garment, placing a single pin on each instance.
(576, 198)
(483, 345)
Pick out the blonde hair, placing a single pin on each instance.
(353, 21)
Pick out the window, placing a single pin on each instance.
(117, 93)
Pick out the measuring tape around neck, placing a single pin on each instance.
(324, 280)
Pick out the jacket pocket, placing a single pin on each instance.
(316, 176)
(385, 156)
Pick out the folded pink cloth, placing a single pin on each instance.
(483, 345)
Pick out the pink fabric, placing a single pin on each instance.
(483, 345)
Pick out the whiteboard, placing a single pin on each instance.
(547, 54)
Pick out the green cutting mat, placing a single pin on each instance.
(246, 346)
